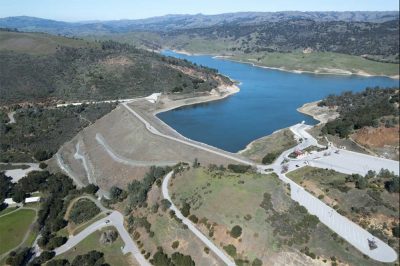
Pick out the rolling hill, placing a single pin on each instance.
(40, 67)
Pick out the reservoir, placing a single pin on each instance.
(267, 101)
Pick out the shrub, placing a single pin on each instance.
(185, 210)
(41, 155)
(239, 168)
(194, 218)
(236, 231)
(175, 244)
(43, 165)
(231, 250)
(256, 262)
(269, 158)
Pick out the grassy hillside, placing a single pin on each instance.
(37, 43)
(322, 62)
(82, 70)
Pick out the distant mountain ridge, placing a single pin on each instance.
(179, 22)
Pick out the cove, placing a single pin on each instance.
(267, 102)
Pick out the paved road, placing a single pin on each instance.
(114, 219)
(344, 161)
(154, 131)
(191, 226)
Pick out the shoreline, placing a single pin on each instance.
(223, 92)
(321, 114)
(297, 71)
(342, 72)
(249, 146)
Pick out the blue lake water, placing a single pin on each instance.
(267, 101)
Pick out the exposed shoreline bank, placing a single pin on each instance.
(339, 72)
(222, 93)
(321, 114)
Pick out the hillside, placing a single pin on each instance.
(175, 22)
(65, 69)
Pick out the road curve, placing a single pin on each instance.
(114, 219)
(191, 226)
(345, 162)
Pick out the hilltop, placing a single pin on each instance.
(69, 69)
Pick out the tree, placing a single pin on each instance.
(91, 189)
(115, 193)
(361, 183)
(239, 168)
(5, 186)
(236, 231)
(185, 210)
(175, 244)
(93, 257)
(161, 259)
(182, 260)
(19, 258)
(269, 158)
(42, 155)
(43, 165)
(62, 262)
(393, 186)
(44, 256)
(19, 196)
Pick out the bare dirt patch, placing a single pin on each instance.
(128, 138)
(383, 141)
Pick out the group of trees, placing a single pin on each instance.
(34, 181)
(39, 132)
(137, 190)
(358, 110)
(354, 38)
(177, 259)
(239, 168)
(83, 210)
(384, 178)
(74, 73)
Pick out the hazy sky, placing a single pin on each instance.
(77, 10)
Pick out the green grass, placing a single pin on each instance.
(13, 228)
(112, 253)
(81, 227)
(320, 61)
(275, 143)
(7, 210)
(230, 199)
(37, 43)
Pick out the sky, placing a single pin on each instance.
(80, 10)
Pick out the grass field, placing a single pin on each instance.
(374, 209)
(320, 62)
(274, 228)
(7, 210)
(112, 253)
(274, 143)
(13, 228)
(37, 43)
